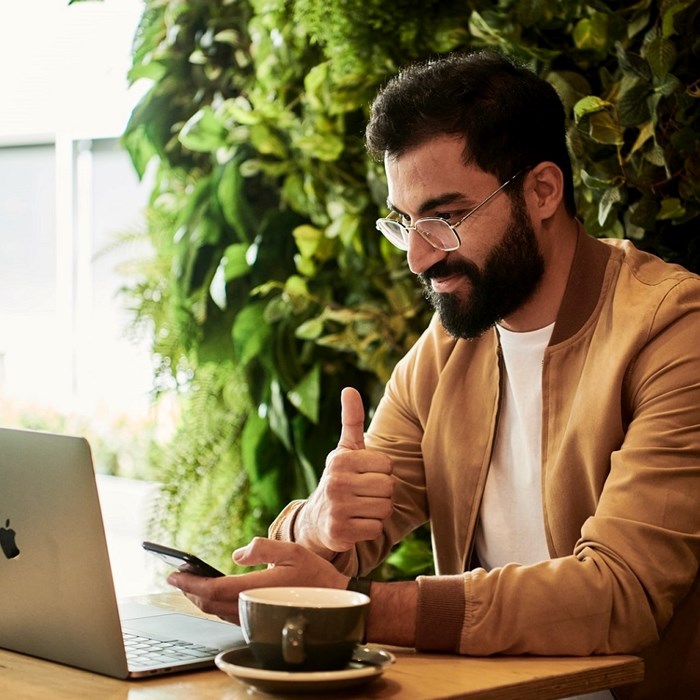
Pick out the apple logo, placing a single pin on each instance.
(7, 541)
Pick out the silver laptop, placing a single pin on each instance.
(57, 598)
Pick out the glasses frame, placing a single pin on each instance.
(453, 227)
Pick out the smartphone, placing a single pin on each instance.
(183, 561)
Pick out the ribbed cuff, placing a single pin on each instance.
(283, 526)
(440, 613)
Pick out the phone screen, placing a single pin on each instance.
(183, 561)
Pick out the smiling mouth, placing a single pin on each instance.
(445, 285)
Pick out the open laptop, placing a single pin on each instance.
(57, 598)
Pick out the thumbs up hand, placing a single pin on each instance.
(354, 495)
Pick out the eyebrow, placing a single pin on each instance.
(432, 203)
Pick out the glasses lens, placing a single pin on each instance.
(438, 233)
(394, 232)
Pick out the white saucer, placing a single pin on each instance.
(242, 665)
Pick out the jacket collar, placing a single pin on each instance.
(584, 286)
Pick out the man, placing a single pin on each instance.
(546, 424)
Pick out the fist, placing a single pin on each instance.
(355, 493)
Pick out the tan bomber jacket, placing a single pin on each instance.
(620, 477)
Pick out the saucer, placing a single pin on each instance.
(365, 665)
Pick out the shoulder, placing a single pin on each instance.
(648, 269)
(653, 294)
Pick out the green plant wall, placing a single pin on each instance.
(268, 280)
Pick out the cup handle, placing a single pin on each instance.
(293, 641)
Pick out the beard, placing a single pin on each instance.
(510, 275)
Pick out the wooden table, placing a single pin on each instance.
(414, 676)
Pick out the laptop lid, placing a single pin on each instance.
(57, 597)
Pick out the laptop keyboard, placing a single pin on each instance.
(143, 652)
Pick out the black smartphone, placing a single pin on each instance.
(183, 561)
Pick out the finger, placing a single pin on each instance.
(352, 416)
(261, 550)
(375, 467)
(364, 507)
(215, 596)
(191, 583)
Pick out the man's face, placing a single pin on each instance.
(498, 265)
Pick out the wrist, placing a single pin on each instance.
(360, 584)
(305, 533)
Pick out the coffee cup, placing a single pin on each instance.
(303, 628)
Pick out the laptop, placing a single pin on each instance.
(57, 598)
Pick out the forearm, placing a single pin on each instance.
(393, 613)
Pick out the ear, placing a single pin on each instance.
(544, 190)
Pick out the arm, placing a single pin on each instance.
(392, 611)
(397, 436)
(364, 504)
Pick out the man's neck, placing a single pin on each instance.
(557, 241)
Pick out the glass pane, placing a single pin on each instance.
(27, 239)
(438, 233)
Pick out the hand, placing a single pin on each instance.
(292, 565)
(354, 495)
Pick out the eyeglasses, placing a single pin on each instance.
(438, 232)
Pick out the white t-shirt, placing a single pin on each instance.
(511, 523)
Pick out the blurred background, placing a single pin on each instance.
(189, 267)
(68, 190)
(70, 360)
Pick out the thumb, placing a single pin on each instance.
(352, 416)
(262, 550)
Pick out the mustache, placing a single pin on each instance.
(447, 268)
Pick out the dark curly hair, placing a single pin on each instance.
(509, 117)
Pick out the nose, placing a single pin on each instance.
(420, 254)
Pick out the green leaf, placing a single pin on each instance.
(307, 239)
(306, 394)
(669, 12)
(240, 110)
(232, 198)
(671, 208)
(610, 197)
(308, 472)
(266, 141)
(203, 132)
(632, 64)
(326, 147)
(632, 104)
(661, 55)
(655, 155)
(250, 333)
(140, 148)
(217, 288)
(412, 558)
(235, 261)
(643, 213)
(310, 330)
(277, 415)
(603, 128)
(228, 36)
(590, 105)
(295, 286)
(315, 84)
(646, 132)
(592, 32)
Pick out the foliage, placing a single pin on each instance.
(262, 215)
(209, 499)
